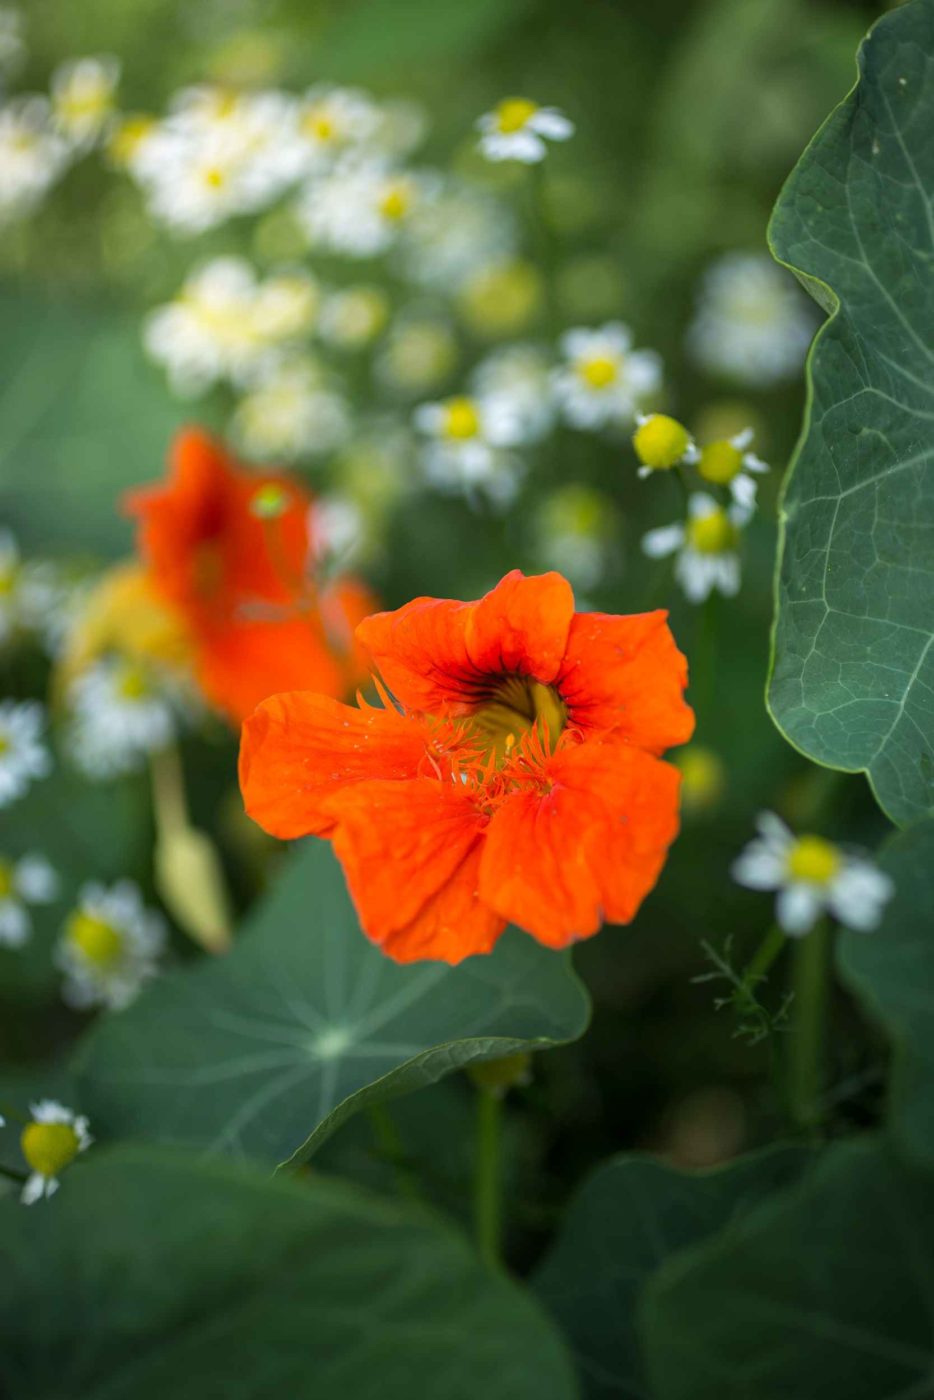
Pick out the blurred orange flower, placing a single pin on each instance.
(230, 548)
(519, 779)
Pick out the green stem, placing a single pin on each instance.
(705, 655)
(764, 956)
(487, 1178)
(391, 1147)
(11, 1175)
(544, 243)
(810, 982)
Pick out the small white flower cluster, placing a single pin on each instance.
(40, 136)
(226, 324)
(752, 323)
(111, 946)
(24, 756)
(120, 711)
(24, 882)
(35, 599)
(812, 876)
(295, 411)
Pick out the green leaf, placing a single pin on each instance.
(626, 1220)
(82, 417)
(892, 971)
(852, 682)
(148, 1276)
(262, 1053)
(823, 1291)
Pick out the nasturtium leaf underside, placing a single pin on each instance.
(628, 1217)
(263, 1052)
(852, 683)
(82, 417)
(892, 972)
(823, 1291)
(149, 1275)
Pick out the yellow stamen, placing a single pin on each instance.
(461, 419)
(318, 125)
(813, 859)
(518, 705)
(396, 202)
(660, 442)
(714, 533)
(720, 462)
(133, 682)
(49, 1147)
(599, 372)
(6, 879)
(513, 113)
(215, 177)
(99, 942)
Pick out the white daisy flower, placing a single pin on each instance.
(515, 385)
(359, 211)
(286, 306)
(291, 413)
(111, 945)
(706, 545)
(332, 121)
(354, 317)
(340, 530)
(661, 443)
(402, 127)
(467, 447)
(120, 712)
(29, 880)
(84, 98)
(517, 129)
(50, 1142)
(23, 755)
(575, 534)
(450, 237)
(812, 876)
(32, 155)
(603, 380)
(726, 462)
(34, 597)
(753, 324)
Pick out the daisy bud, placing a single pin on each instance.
(661, 442)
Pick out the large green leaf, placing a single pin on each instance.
(824, 1291)
(853, 675)
(892, 971)
(264, 1052)
(150, 1276)
(82, 417)
(625, 1221)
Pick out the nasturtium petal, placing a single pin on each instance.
(262, 1053)
(852, 681)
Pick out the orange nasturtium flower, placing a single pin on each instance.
(517, 778)
(232, 550)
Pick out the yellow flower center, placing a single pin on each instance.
(7, 582)
(5, 745)
(133, 682)
(720, 462)
(515, 706)
(269, 502)
(128, 136)
(513, 113)
(702, 777)
(598, 372)
(99, 942)
(714, 533)
(461, 419)
(319, 126)
(6, 879)
(660, 442)
(396, 202)
(48, 1147)
(215, 177)
(813, 859)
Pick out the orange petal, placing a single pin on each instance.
(298, 750)
(626, 674)
(561, 858)
(411, 854)
(436, 654)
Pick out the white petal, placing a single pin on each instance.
(36, 881)
(752, 463)
(743, 439)
(657, 544)
(33, 1190)
(743, 491)
(773, 830)
(797, 909)
(697, 574)
(758, 868)
(548, 121)
(15, 926)
(859, 894)
(701, 504)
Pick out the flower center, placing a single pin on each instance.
(660, 441)
(214, 177)
(720, 462)
(516, 706)
(99, 942)
(6, 879)
(132, 682)
(269, 502)
(513, 113)
(396, 202)
(319, 126)
(48, 1147)
(813, 859)
(7, 582)
(461, 419)
(5, 744)
(713, 533)
(598, 372)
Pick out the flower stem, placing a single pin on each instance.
(705, 655)
(10, 1175)
(764, 956)
(391, 1147)
(810, 982)
(487, 1178)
